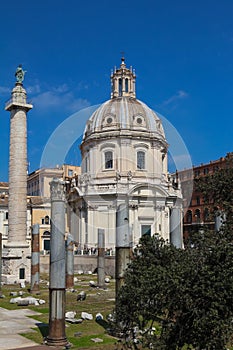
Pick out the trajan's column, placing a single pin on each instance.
(16, 252)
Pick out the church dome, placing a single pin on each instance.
(123, 114)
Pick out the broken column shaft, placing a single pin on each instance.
(122, 244)
(35, 262)
(69, 261)
(57, 283)
(101, 258)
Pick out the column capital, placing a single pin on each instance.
(57, 190)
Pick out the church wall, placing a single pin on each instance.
(104, 218)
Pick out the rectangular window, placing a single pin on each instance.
(146, 230)
(108, 160)
(141, 160)
(22, 273)
(46, 244)
(70, 172)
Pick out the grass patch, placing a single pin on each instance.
(79, 335)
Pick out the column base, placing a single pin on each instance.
(56, 342)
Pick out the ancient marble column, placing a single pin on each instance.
(57, 274)
(101, 258)
(122, 244)
(17, 265)
(176, 237)
(69, 261)
(35, 260)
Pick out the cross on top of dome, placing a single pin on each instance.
(123, 81)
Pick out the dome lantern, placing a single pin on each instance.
(123, 81)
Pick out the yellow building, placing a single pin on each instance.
(38, 202)
(38, 181)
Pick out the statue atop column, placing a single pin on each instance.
(19, 74)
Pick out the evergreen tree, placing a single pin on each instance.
(182, 298)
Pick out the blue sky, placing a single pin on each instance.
(182, 52)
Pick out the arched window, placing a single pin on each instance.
(120, 87)
(45, 220)
(141, 160)
(126, 85)
(189, 217)
(197, 215)
(108, 160)
(46, 233)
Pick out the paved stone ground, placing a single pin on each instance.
(13, 322)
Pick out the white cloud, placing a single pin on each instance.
(33, 89)
(5, 90)
(61, 88)
(58, 98)
(179, 95)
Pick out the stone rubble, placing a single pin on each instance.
(86, 316)
(81, 296)
(26, 301)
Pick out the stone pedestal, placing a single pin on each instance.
(16, 262)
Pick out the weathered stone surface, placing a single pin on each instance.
(14, 294)
(30, 300)
(23, 302)
(74, 320)
(86, 316)
(92, 284)
(70, 314)
(22, 285)
(81, 296)
(97, 340)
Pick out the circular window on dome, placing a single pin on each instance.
(109, 120)
(139, 120)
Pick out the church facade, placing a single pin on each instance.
(124, 161)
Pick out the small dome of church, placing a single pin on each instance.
(123, 112)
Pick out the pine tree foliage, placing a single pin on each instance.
(182, 298)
